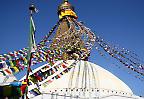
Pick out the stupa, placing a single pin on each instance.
(67, 72)
(74, 76)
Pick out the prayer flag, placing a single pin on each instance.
(15, 69)
(2, 64)
(32, 44)
(7, 71)
(35, 92)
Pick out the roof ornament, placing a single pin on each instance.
(66, 9)
(33, 9)
(65, 0)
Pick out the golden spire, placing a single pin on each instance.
(66, 9)
(65, 0)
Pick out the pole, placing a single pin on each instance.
(31, 43)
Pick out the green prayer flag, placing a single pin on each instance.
(32, 43)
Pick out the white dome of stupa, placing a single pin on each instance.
(86, 80)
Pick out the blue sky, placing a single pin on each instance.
(117, 21)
